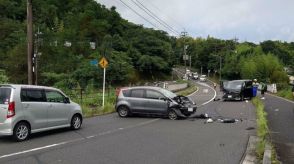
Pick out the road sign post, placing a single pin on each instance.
(103, 63)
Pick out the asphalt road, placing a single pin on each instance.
(281, 123)
(114, 140)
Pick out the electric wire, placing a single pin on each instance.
(170, 18)
(154, 16)
(138, 14)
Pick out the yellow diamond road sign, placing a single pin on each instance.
(103, 62)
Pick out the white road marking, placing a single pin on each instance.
(76, 140)
(90, 137)
(213, 96)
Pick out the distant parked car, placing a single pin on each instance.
(202, 78)
(153, 101)
(185, 77)
(26, 109)
(238, 90)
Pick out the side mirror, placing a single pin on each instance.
(66, 100)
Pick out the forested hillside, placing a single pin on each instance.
(66, 29)
(69, 34)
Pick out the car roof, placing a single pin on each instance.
(241, 80)
(143, 87)
(27, 86)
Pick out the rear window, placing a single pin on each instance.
(5, 95)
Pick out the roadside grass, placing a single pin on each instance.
(190, 89)
(262, 130)
(91, 102)
(214, 79)
(286, 93)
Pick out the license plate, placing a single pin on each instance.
(190, 109)
(229, 96)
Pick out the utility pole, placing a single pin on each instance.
(37, 54)
(220, 67)
(184, 34)
(30, 42)
(190, 61)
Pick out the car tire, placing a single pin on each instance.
(76, 122)
(123, 111)
(21, 131)
(172, 114)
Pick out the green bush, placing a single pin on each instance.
(286, 93)
(3, 77)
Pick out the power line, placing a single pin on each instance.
(155, 17)
(173, 20)
(138, 14)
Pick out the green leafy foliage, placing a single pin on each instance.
(67, 28)
(3, 77)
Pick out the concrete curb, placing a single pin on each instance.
(267, 154)
(249, 156)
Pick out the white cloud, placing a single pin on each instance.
(251, 20)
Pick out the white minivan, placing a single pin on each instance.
(26, 109)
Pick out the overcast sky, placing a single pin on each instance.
(247, 20)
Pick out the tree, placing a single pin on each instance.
(3, 77)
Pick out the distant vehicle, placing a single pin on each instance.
(238, 90)
(189, 73)
(26, 109)
(185, 77)
(202, 78)
(153, 101)
(195, 76)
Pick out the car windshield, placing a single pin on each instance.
(234, 84)
(4, 95)
(168, 93)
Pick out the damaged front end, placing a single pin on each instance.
(183, 106)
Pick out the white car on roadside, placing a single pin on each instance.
(202, 78)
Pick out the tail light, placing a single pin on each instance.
(11, 109)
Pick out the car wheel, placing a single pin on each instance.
(123, 111)
(21, 131)
(76, 122)
(172, 115)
